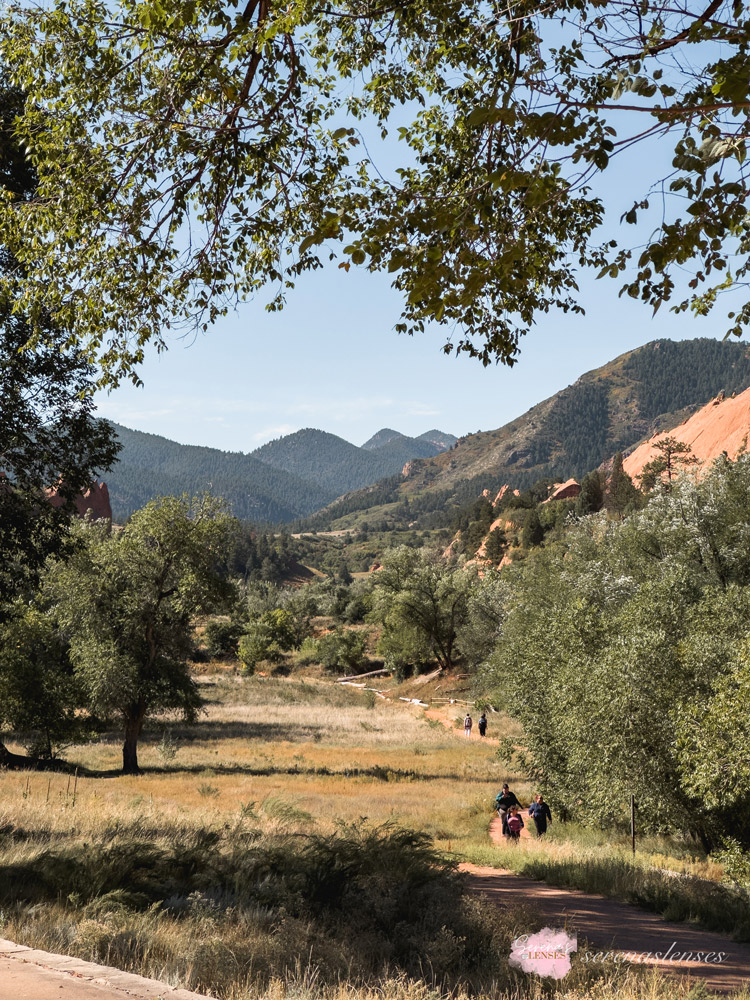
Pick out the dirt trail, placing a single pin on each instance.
(610, 925)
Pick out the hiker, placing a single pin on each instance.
(482, 723)
(467, 725)
(505, 799)
(540, 813)
(515, 823)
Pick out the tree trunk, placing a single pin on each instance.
(22, 762)
(133, 727)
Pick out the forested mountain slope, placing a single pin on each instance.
(334, 464)
(151, 466)
(607, 410)
(278, 483)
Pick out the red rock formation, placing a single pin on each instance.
(564, 491)
(95, 499)
(499, 522)
(723, 425)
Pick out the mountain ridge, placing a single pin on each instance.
(279, 482)
(608, 409)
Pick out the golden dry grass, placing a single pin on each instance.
(327, 751)
(278, 755)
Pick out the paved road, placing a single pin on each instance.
(27, 974)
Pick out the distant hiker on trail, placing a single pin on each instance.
(467, 725)
(505, 799)
(515, 823)
(540, 813)
(482, 723)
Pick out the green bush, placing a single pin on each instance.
(221, 638)
(268, 638)
(342, 650)
(308, 652)
(736, 863)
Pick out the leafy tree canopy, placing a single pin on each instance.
(48, 434)
(40, 697)
(624, 655)
(423, 603)
(190, 154)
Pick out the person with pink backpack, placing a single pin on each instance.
(515, 823)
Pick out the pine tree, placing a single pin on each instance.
(672, 457)
(533, 532)
(620, 496)
(496, 544)
(591, 498)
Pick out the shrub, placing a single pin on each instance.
(221, 638)
(342, 895)
(268, 638)
(342, 650)
(308, 653)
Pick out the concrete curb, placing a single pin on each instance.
(124, 984)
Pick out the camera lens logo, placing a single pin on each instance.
(546, 953)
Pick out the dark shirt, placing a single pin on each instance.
(541, 813)
(506, 801)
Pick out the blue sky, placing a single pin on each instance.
(332, 360)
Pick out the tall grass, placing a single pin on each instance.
(216, 910)
(243, 913)
(269, 859)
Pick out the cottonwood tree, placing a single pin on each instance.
(189, 154)
(40, 696)
(422, 602)
(624, 654)
(126, 602)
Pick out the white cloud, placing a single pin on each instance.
(269, 433)
(422, 410)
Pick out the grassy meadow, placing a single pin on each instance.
(299, 840)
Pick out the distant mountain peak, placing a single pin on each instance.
(382, 437)
(440, 440)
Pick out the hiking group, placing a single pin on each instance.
(481, 726)
(509, 810)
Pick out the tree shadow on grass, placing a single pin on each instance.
(218, 769)
(214, 730)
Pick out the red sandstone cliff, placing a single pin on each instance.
(95, 499)
(723, 425)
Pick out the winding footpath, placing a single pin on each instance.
(620, 928)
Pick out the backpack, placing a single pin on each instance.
(514, 823)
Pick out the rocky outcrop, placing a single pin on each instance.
(568, 490)
(723, 425)
(94, 502)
